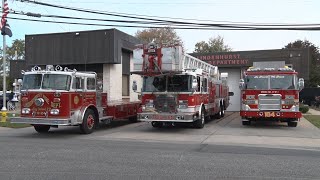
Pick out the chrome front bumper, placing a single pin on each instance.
(181, 117)
(46, 121)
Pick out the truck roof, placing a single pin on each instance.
(59, 70)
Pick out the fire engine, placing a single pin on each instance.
(57, 96)
(178, 88)
(270, 91)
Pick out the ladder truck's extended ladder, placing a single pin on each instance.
(190, 62)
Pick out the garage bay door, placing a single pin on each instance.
(233, 83)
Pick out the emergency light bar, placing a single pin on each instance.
(50, 68)
(270, 69)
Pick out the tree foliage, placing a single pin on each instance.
(159, 35)
(216, 44)
(314, 55)
(13, 52)
(18, 46)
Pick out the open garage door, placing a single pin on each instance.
(233, 83)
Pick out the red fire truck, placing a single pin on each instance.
(270, 91)
(178, 88)
(62, 97)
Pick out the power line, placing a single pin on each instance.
(137, 16)
(173, 27)
(114, 25)
(183, 24)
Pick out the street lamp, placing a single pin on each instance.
(19, 85)
(14, 98)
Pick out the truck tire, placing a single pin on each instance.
(246, 123)
(219, 115)
(222, 111)
(88, 123)
(200, 122)
(42, 128)
(157, 124)
(292, 124)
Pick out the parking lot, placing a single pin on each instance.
(225, 131)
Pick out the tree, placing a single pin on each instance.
(314, 75)
(213, 45)
(159, 35)
(18, 46)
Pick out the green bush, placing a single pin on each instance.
(304, 109)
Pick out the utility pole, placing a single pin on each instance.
(4, 107)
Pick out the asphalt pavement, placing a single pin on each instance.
(45, 157)
(224, 149)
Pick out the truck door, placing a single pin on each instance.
(77, 95)
(89, 96)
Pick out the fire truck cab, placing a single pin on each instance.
(59, 96)
(178, 88)
(270, 91)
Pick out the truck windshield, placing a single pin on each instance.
(50, 81)
(56, 81)
(179, 83)
(282, 82)
(257, 82)
(31, 81)
(175, 83)
(270, 82)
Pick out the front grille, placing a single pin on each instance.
(269, 102)
(165, 103)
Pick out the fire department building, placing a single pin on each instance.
(109, 53)
(236, 62)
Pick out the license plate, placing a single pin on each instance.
(269, 114)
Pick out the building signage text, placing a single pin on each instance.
(224, 59)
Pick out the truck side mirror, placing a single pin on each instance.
(134, 86)
(231, 93)
(241, 84)
(99, 86)
(194, 84)
(301, 83)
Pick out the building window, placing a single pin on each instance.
(125, 85)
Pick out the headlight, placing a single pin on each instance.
(183, 104)
(25, 111)
(295, 108)
(54, 111)
(288, 101)
(149, 103)
(289, 97)
(250, 101)
(250, 96)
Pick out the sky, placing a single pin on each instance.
(255, 11)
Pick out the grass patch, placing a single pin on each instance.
(9, 125)
(314, 119)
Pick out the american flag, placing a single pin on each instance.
(4, 26)
(5, 12)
